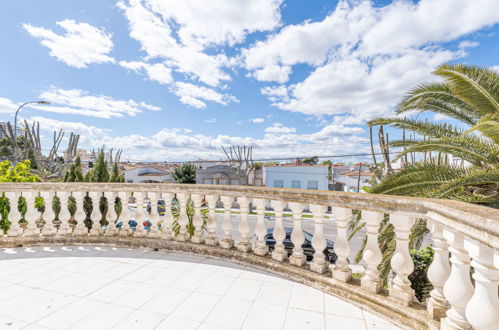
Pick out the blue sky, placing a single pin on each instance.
(175, 80)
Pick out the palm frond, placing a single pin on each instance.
(488, 125)
(423, 127)
(473, 177)
(475, 85)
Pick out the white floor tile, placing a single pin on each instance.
(140, 320)
(10, 323)
(340, 307)
(177, 323)
(137, 296)
(112, 291)
(244, 289)
(229, 312)
(216, 284)
(307, 298)
(166, 301)
(70, 314)
(298, 319)
(265, 317)
(196, 307)
(103, 318)
(275, 293)
(334, 322)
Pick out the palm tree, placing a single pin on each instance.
(470, 96)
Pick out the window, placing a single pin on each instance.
(278, 183)
(296, 184)
(313, 184)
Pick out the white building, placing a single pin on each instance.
(350, 180)
(148, 174)
(296, 176)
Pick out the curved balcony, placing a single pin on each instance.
(224, 226)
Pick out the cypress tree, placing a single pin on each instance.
(100, 172)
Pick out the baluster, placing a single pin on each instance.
(438, 273)
(166, 224)
(372, 254)
(279, 253)
(96, 214)
(197, 220)
(227, 242)
(401, 261)
(183, 219)
(319, 264)
(14, 215)
(482, 311)
(32, 214)
(261, 247)
(111, 213)
(80, 216)
(48, 215)
(139, 215)
(244, 244)
(124, 216)
(297, 236)
(341, 271)
(64, 214)
(212, 239)
(154, 216)
(458, 288)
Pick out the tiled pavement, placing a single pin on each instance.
(103, 288)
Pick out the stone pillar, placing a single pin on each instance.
(401, 261)
(48, 215)
(183, 219)
(124, 216)
(96, 215)
(197, 221)
(438, 272)
(111, 213)
(297, 237)
(14, 215)
(140, 231)
(319, 264)
(212, 239)
(227, 242)
(166, 225)
(482, 310)
(372, 254)
(244, 244)
(279, 253)
(458, 288)
(80, 216)
(341, 271)
(154, 215)
(261, 247)
(64, 215)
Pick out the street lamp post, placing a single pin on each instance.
(15, 124)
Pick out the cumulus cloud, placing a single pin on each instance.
(194, 95)
(363, 57)
(278, 128)
(80, 102)
(7, 105)
(158, 72)
(79, 46)
(257, 120)
(210, 121)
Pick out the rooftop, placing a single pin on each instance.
(94, 287)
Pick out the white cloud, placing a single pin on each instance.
(278, 128)
(158, 72)
(79, 102)
(257, 120)
(181, 31)
(79, 46)
(468, 44)
(7, 105)
(86, 132)
(210, 121)
(193, 95)
(363, 57)
(495, 67)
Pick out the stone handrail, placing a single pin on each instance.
(469, 232)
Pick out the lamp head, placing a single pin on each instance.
(43, 102)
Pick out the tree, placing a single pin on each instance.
(74, 173)
(100, 173)
(115, 174)
(241, 160)
(185, 173)
(311, 160)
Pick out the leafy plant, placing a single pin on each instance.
(190, 215)
(422, 259)
(185, 173)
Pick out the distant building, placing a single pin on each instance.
(348, 181)
(218, 174)
(314, 177)
(149, 174)
(20, 130)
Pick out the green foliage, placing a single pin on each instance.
(190, 215)
(311, 160)
(19, 173)
(100, 173)
(422, 259)
(185, 174)
(74, 173)
(115, 174)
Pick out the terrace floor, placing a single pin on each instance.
(104, 288)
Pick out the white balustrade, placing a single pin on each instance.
(319, 264)
(372, 254)
(482, 310)
(438, 272)
(244, 243)
(139, 217)
(96, 215)
(167, 218)
(32, 214)
(458, 288)
(124, 216)
(298, 258)
(183, 219)
(64, 214)
(401, 262)
(279, 253)
(341, 270)
(48, 214)
(111, 213)
(14, 215)
(261, 247)
(154, 215)
(211, 223)
(197, 220)
(79, 216)
(227, 242)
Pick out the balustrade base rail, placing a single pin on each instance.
(413, 317)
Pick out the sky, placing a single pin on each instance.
(169, 80)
